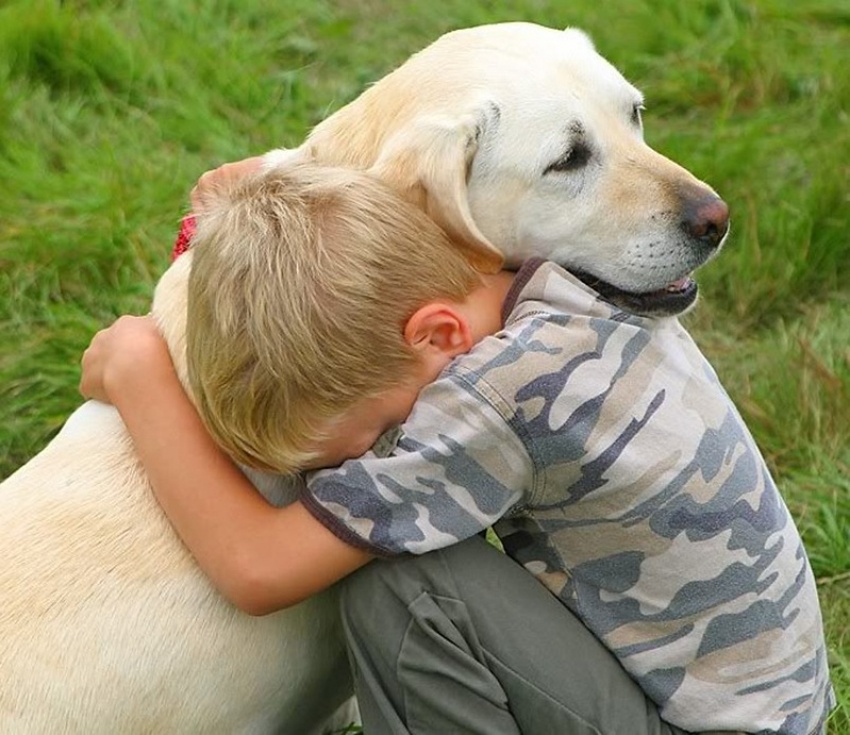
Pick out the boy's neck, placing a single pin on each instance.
(483, 305)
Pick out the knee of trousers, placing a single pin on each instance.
(386, 587)
(370, 594)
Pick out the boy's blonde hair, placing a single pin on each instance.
(302, 282)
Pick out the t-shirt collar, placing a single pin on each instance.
(521, 279)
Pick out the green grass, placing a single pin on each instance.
(110, 110)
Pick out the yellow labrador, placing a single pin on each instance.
(519, 140)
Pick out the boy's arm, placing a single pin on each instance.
(458, 466)
(260, 557)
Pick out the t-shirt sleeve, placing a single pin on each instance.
(457, 468)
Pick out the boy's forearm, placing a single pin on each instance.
(206, 498)
(261, 558)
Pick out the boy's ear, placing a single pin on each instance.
(438, 329)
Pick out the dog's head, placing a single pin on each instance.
(523, 141)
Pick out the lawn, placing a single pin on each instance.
(110, 110)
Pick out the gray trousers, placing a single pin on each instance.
(466, 641)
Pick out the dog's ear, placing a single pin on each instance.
(427, 161)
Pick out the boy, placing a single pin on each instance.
(624, 478)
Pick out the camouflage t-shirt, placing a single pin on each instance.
(616, 469)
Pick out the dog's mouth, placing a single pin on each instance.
(674, 298)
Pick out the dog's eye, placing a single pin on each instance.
(575, 158)
(636, 121)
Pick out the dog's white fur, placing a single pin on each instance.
(106, 624)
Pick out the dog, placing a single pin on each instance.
(518, 140)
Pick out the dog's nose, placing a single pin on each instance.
(707, 220)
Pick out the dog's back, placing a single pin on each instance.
(106, 623)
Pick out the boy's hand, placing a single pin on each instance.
(122, 357)
(209, 182)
